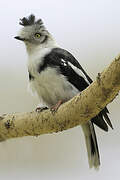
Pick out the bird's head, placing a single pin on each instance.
(34, 33)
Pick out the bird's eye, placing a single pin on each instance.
(37, 35)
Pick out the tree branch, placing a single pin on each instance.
(78, 110)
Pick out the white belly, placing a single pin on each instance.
(52, 87)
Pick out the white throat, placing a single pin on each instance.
(36, 54)
(34, 49)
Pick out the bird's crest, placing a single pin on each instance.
(30, 20)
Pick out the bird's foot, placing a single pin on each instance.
(54, 109)
(40, 109)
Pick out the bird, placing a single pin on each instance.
(56, 76)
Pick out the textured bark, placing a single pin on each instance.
(78, 110)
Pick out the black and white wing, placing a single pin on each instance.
(65, 62)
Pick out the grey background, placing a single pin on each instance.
(89, 29)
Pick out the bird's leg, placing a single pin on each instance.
(55, 108)
(40, 109)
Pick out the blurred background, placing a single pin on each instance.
(90, 30)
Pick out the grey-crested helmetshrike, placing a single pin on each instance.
(56, 76)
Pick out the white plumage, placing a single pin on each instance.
(49, 85)
(56, 75)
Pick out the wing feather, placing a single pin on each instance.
(62, 59)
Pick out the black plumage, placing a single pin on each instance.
(61, 60)
(30, 20)
(52, 72)
(31, 77)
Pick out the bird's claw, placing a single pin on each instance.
(40, 109)
(54, 109)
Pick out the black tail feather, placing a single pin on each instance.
(99, 121)
(104, 113)
(91, 144)
(102, 120)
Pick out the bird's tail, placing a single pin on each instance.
(91, 144)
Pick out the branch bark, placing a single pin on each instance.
(78, 110)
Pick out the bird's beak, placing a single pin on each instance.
(19, 38)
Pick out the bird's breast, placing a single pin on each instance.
(52, 87)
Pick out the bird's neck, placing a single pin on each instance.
(32, 49)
